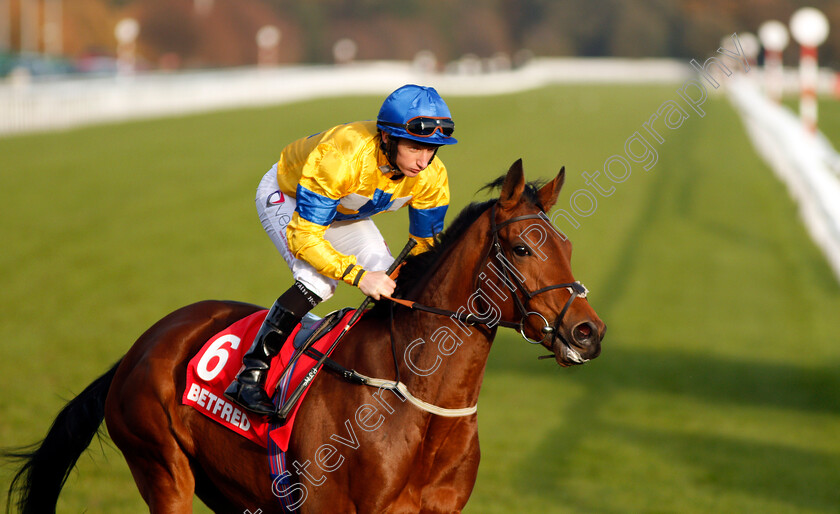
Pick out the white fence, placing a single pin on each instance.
(30, 106)
(805, 162)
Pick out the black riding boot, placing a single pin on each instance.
(248, 389)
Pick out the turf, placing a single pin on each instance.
(717, 389)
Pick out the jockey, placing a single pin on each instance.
(315, 204)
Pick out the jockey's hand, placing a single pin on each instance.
(376, 283)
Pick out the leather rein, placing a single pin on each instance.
(576, 289)
(496, 253)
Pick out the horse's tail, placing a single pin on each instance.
(47, 464)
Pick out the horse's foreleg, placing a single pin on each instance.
(452, 471)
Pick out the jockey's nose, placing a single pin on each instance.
(425, 159)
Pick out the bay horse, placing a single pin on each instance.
(500, 260)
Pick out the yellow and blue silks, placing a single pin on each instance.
(341, 174)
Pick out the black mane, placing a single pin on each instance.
(417, 267)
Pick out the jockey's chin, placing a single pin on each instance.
(411, 172)
(413, 157)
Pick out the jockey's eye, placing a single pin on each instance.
(521, 250)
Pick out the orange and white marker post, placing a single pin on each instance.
(268, 46)
(810, 29)
(126, 32)
(808, 75)
(774, 38)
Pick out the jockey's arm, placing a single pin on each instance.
(427, 211)
(326, 177)
(423, 244)
(307, 243)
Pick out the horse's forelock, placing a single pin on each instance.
(531, 192)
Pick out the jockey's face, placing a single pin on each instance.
(413, 157)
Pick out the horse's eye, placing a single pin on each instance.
(521, 250)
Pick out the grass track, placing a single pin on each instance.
(718, 386)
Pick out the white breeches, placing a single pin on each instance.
(357, 237)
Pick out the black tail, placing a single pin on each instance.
(47, 465)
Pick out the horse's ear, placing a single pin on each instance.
(514, 185)
(549, 192)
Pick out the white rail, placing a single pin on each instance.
(28, 106)
(805, 162)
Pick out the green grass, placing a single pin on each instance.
(829, 119)
(718, 385)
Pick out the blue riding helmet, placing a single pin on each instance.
(417, 113)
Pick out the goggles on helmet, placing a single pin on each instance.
(425, 126)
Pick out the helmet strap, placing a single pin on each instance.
(390, 151)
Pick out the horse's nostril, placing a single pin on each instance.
(583, 333)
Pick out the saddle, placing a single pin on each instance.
(212, 369)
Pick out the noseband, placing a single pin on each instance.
(576, 289)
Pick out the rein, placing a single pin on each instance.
(576, 289)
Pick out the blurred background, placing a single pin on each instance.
(49, 36)
(133, 135)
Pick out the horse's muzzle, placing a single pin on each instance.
(580, 344)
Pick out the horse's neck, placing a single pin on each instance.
(445, 359)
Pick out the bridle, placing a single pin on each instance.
(496, 254)
(576, 289)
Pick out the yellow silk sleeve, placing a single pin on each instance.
(423, 244)
(307, 243)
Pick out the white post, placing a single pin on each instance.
(750, 45)
(268, 46)
(808, 73)
(53, 27)
(810, 28)
(126, 33)
(28, 26)
(344, 51)
(774, 38)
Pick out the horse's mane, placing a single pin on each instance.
(418, 267)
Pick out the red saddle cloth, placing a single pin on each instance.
(213, 368)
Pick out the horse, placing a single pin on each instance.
(354, 448)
